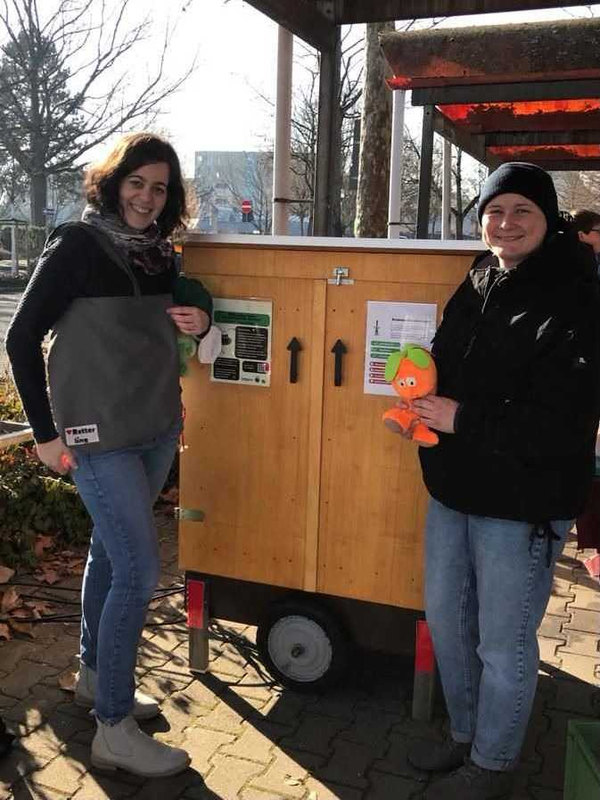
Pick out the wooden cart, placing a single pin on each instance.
(300, 511)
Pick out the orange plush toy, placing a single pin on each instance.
(412, 373)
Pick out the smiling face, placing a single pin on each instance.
(143, 194)
(412, 381)
(513, 227)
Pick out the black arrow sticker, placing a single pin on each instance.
(338, 349)
(294, 347)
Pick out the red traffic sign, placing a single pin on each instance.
(246, 206)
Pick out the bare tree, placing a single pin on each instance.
(464, 206)
(375, 137)
(371, 217)
(305, 125)
(577, 190)
(64, 87)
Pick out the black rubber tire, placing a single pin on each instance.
(308, 617)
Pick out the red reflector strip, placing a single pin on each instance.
(424, 656)
(195, 604)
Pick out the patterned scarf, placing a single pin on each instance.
(147, 250)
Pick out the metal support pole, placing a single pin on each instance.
(397, 145)
(328, 166)
(14, 267)
(424, 680)
(446, 188)
(196, 591)
(425, 173)
(283, 116)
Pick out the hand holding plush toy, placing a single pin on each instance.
(412, 373)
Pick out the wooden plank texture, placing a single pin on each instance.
(247, 459)
(301, 484)
(373, 502)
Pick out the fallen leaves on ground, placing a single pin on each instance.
(64, 564)
(39, 607)
(46, 574)
(6, 574)
(11, 599)
(24, 628)
(68, 681)
(42, 543)
(20, 613)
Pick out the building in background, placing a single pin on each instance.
(234, 193)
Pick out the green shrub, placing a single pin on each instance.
(10, 402)
(32, 499)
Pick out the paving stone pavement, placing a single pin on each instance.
(251, 740)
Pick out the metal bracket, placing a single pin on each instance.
(189, 514)
(340, 277)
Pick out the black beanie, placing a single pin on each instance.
(518, 177)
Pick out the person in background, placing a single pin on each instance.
(518, 359)
(112, 417)
(587, 225)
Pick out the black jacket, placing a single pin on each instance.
(520, 351)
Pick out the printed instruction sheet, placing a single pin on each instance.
(389, 327)
(246, 328)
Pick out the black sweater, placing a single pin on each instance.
(520, 351)
(73, 265)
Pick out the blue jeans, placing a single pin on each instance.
(119, 488)
(485, 596)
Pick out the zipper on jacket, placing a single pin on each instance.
(486, 297)
(488, 294)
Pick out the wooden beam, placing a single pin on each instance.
(425, 176)
(506, 92)
(557, 50)
(516, 138)
(328, 166)
(302, 18)
(353, 11)
(472, 144)
(567, 165)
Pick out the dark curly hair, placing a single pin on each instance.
(132, 151)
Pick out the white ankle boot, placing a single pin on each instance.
(144, 707)
(125, 746)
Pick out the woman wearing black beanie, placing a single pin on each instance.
(518, 358)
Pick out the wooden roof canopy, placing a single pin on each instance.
(316, 21)
(528, 92)
(484, 119)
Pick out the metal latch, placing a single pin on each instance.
(340, 276)
(189, 514)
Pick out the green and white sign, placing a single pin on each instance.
(246, 327)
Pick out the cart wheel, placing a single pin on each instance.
(302, 645)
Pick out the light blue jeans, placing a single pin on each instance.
(119, 488)
(486, 590)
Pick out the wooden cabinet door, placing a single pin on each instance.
(373, 502)
(252, 456)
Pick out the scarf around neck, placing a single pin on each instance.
(147, 250)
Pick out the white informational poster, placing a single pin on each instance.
(246, 327)
(389, 327)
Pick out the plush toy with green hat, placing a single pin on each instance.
(412, 373)
(188, 292)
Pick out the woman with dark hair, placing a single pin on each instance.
(518, 358)
(112, 416)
